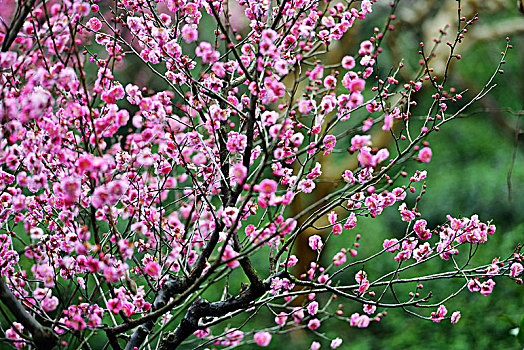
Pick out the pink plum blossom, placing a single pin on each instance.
(151, 152)
(335, 343)
(337, 229)
(339, 258)
(369, 309)
(312, 308)
(486, 287)
(313, 324)
(267, 186)
(152, 269)
(281, 319)
(439, 314)
(315, 345)
(262, 338)
(516, 269)
(329, 144)
(348, 62)
(351, 222)
(306, 186)
(315, 242)
(189, 33)
(14, 335)
(420, 229)
(455, 317)
(363, 321)
(425, 154)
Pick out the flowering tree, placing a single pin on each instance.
(127, 211)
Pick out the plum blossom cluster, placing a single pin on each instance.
(146, 162)
(451, 235)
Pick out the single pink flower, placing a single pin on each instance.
(455, 317)
(348, 62)
(315, 242)
(335, 343)
(94, 24)
(363, 321)
(312, 308)
(313, 324)
(515, 269)
(267, 186)
(153, 269)
(425, 155)
(339, 258)
(262, 338)
(281, 319)
(337, 229)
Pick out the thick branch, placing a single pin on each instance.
(43, 337)
(169, 289)
(202, 308)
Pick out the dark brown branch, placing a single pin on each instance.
(169, 289)
(43, 337)
(203, 308)
(18, 22)
(279, 15)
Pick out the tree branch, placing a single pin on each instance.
(12, 32)
(169, 289)
(43, 337)
(202, 308)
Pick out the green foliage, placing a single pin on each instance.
(520, 335)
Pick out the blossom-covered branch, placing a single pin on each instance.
(150, 153)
